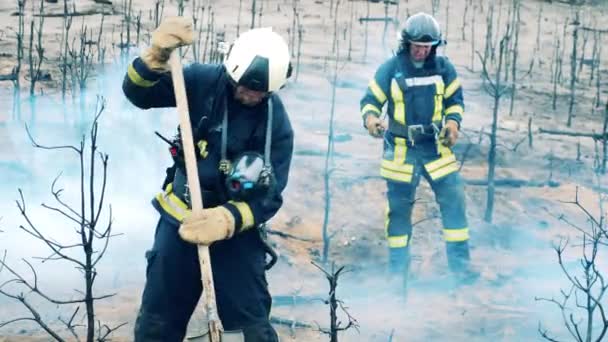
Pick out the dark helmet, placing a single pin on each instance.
(421, 28)
(249, 177)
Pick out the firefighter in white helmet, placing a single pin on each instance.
(244, 144)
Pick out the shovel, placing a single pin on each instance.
(181, 101)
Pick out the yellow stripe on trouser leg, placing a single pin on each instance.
(399, 105)
(397, 241)
(386, 219)
(456, 235)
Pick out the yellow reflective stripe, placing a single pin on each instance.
(444, 171)
(246, 214)
(444, 150)
(456, 235)
(439, 90)
(436, 164)
(202, 147)
(396, 169)
(370, 108)
(397, 241)
(386, 218)
(455, 109)
(400, 150)
(397, 95)
(401, 168)
(423, 81)
(397, 176)
(377, 91)
(172, 204)
(442, 166)
(451, 89)
(137, 79)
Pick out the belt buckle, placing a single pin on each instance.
(436, 129)
(413, 131)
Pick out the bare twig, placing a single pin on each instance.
(335, 325)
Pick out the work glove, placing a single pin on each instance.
(172, 33)
(206, 226)
(375, 126)
(449, 133)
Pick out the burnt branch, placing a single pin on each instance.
(90, 233)
(335, 325)
(585, 320)
(288, 236)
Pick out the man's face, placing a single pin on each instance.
(249, 97)
(419, 52)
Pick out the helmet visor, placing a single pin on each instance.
(423, 39)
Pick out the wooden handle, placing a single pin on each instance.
(196, 198)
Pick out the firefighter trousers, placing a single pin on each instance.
(173, 286)
(449, 195)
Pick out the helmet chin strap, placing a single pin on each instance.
(225, 164)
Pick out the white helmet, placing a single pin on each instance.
(259, 60)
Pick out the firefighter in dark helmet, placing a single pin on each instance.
(244, 144)
(424, 106)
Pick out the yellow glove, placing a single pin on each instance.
(172, 33)
(207, 226)
(375, 126)
(449, 133)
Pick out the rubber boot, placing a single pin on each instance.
(459, 263)
(398, 268)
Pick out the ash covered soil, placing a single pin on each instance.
(513, 253)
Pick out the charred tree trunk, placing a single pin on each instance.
(605, 140)
(573, 68)
(330, 143)
(498, 91)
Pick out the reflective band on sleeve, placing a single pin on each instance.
(451, 88)
(370, 108)
(455, 109)
(377, 91)
(137, 79)
(246, 214)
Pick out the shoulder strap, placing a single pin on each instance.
(214, 108)
(268, 138)
(268, 142)
(400, 71)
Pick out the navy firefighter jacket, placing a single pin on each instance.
(414, 96)
(206, 85)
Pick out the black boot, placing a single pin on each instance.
(398, 267)
(459, 263)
